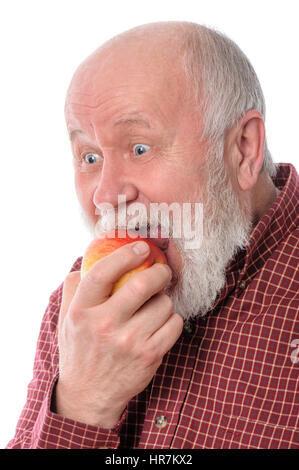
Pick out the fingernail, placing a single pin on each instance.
(140, 248)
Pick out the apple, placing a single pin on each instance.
(107, 242)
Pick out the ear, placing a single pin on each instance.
(250, 145)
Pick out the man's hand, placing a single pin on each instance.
(110, 347)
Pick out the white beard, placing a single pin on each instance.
(226, 229)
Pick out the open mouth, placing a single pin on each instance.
(158, 240)
(146, 231)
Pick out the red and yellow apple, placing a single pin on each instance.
(108, 242)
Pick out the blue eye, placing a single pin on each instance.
(91, 158)
(140, 149)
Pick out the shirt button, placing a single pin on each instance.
(188, 327)
(242, 285)
(161, 422)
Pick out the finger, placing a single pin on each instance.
(70, 286)
(152, 315)
(164, 338)
(125, 302)
(96, 285)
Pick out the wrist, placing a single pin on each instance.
(105, 417)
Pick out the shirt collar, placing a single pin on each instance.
(275, 225)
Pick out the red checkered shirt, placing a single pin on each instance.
(231, 379)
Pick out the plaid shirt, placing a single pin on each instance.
(231, 379)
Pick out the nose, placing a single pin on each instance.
(112, 183)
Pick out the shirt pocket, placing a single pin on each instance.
(238, 433)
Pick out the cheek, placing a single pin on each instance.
(174, 189)
(160, 183)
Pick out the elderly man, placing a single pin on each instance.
(202, 352)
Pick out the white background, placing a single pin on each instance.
(42, 42)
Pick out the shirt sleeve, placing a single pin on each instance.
(40, 428)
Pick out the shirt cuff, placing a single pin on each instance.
(52, 431)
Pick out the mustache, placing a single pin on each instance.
(176, 221)
(139, 224)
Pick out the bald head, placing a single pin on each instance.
(152, 52)
(161, 39)
(139, 69)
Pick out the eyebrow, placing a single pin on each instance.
(137, 121)
(133, 121)
(73, 133)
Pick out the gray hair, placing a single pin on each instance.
(224, 82)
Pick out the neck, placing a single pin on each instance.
(263, 196)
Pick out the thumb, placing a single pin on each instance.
(70, 285)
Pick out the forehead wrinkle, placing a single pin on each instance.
(117, 114)
(94, 100)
